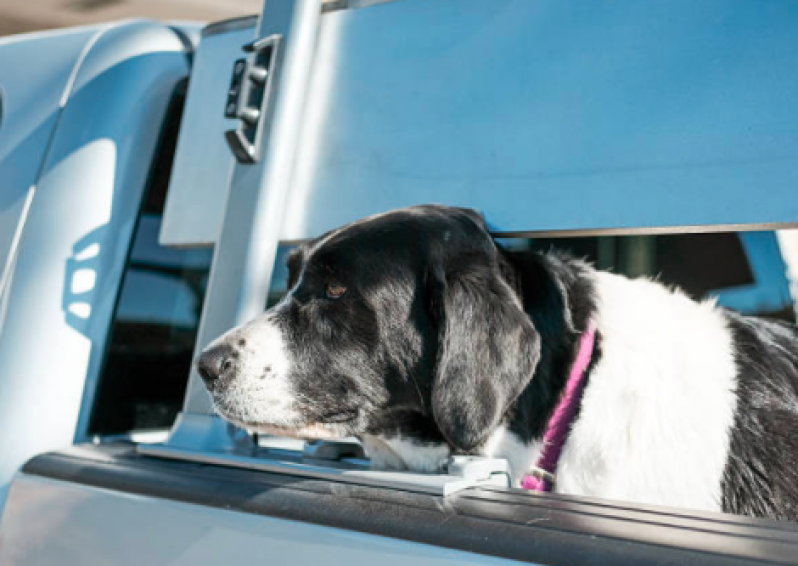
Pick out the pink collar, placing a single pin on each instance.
(541, 477)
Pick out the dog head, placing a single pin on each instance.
(409, 312)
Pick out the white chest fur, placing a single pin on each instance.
(656, 416)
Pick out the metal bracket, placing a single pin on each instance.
(202, 432)
(248, 97)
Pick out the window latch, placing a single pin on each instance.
(248, 97)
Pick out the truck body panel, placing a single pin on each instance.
(36, 71)
(550, 117)
(84, 202)
(54, 522)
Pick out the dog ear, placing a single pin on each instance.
(488, 347)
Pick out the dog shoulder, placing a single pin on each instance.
(658, 410)
(762, 475)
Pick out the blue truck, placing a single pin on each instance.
(153, 176)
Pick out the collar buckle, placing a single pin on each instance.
(542, 475)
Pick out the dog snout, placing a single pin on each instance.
(215, 362)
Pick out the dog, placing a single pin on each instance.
(417, 333)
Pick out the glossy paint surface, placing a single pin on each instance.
(32, 97)
(51, 522)
(72, 251)
(203, 162)
(552, 115)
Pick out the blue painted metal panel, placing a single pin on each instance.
(73, 248)
(32, 93)
(203, 162)
(554, 115)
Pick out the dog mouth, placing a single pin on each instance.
(329, 426)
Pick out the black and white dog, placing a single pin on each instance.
(414, 331)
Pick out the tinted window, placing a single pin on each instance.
(150, 349)
(745, 271)
(152, 340)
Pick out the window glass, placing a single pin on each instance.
(152, 340)
(150, 348)
(746, 271)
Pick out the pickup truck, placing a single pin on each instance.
(153, 176)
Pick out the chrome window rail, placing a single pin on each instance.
(247, 245)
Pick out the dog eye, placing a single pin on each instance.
(334, 290)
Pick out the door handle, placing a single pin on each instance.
(249, 95)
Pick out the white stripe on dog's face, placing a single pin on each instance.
(259, 391)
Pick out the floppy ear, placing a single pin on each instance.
(488, 347)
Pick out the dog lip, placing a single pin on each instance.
(338, 417)
(316, 428)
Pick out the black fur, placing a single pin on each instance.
(488, 347)
(761, 476)
(560, 300)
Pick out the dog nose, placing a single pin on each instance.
(215, 362)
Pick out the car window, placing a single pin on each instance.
(152, 339)
(146, 367)
(745, 271)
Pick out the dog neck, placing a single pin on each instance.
(542, 476)
(547, 286)
(558, 295)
